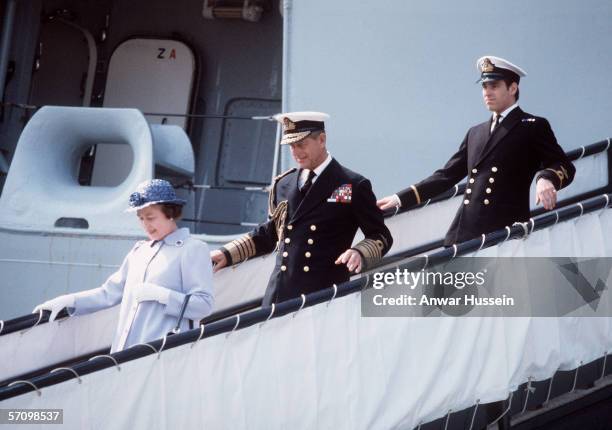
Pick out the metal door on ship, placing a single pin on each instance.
(152, 75)
(65, 66)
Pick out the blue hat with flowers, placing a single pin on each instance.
(153, 192)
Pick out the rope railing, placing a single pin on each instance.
(262, 315)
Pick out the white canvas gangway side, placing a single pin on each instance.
(329, 367)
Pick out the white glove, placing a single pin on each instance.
(151, 292)
(56, 305)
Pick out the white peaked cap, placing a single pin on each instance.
(495, 68)
(302, 116)
(299, 125)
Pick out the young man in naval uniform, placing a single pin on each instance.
(501, 156)
(315, 211)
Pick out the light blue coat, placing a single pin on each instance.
(179, 263)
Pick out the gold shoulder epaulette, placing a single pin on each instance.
(271, 206)
(282, 175)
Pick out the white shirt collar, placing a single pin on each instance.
(505, 113)
(323, 165)
(318, 170)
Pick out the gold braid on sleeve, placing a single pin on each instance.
(416, 194)
(371, 250)
(241, 249)
(561, 174)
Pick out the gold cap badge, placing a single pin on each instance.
(289, 125)
(487, 66)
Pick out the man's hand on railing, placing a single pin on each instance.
(388, 202)
(352, 259)
(546, 194)
(218, 259)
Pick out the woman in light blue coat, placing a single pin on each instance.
(155, 276)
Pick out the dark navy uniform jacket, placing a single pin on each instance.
(500, 167)
(311, 233)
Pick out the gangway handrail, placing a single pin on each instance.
(457, 190)
(262, 315)
(47, 368)
(27, 321)
(573, 155)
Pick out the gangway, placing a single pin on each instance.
(575, 347)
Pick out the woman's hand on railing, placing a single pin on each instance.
(56, 305)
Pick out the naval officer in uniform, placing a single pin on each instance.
(314, 213)
(500, 157)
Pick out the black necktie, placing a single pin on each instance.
(308, 183)
(497, 121)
